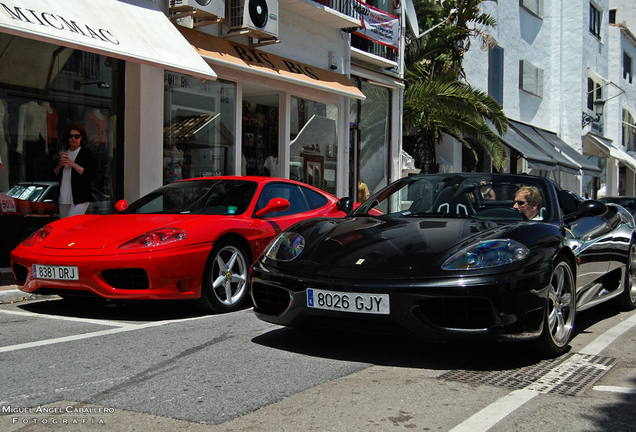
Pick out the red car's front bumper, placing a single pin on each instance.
(169, 274)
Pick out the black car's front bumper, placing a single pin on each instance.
(495, 307)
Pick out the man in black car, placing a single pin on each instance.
(528, 201)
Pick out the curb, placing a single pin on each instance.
(11, 294)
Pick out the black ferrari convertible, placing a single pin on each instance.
(453, 257)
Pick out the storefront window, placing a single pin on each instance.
(259, 152)
(198, 135)
(314, 143)
(374, 137)
(43, 88)
(595, 187)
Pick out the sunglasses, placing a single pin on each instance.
(75, 136)
(520, 203)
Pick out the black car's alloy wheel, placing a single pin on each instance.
(627, 300)
(225, 279)
(558, 325)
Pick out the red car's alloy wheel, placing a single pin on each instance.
(226, 277)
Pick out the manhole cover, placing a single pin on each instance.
(568, 375)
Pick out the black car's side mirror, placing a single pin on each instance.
(569, 201)
(345, 204)
(588, 208)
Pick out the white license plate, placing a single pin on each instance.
(55, 272)
(348, 302)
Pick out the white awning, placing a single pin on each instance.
(604, 148)
(133, 30)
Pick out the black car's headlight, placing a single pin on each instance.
(285, 247)
(486, 254)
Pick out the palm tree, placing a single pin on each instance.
(436, 101)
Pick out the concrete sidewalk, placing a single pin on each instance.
(9, 292)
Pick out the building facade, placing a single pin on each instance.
(557, 70)
(83, 62)
(174, 89)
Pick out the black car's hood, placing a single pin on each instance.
(394, 243)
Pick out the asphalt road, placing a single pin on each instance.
(163, 367)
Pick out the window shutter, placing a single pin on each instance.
(539, 81)
(533, 6)
(530, 78)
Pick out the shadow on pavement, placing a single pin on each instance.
(403, 351)
(399, 351)
(118, 311)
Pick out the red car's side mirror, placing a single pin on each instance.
(274, 205)
(121, 205)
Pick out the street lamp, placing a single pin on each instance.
(598, 110)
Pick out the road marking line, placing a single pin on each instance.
(65, 318)
(126, 328)
(495, 412)
(503, 407)
(613, 389)
(601, 342)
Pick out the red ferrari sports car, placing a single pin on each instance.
(193, 239)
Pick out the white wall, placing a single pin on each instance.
(561, 44)
(143, 130)
(301, 39)
(625, 12)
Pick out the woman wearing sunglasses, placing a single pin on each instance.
(75, 171)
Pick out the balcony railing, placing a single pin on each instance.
(343, 6)
(373, 48)
(345, 14)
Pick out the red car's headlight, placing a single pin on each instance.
(37, 236)
(160, 237)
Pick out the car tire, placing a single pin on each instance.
(226, 278)
(560, 311)
(626, 301)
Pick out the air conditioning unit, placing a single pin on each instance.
(202, 8)
(259, 18)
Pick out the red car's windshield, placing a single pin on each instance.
(209, 197)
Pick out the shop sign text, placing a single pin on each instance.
(58, 22)
(260, 58)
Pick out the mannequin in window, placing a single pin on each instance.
(172, 162)
(32, 138)
(271, 164)
(51, 127)
(96, 125)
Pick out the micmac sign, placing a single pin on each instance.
(131, 30)
(57, 22)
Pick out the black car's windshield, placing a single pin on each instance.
(207, 197)
(456, 195)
